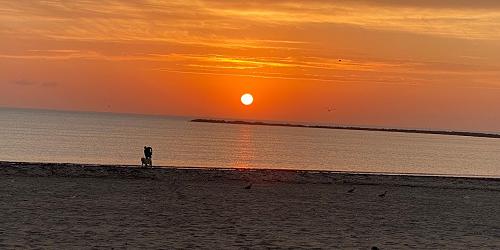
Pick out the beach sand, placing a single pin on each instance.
(67, 206)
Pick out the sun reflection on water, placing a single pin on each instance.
(245, 152)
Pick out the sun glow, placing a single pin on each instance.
(247, 99)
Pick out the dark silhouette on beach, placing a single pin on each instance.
(383, 195)
(352, 190)
(249, 186)
(148, 155)
(148, 152)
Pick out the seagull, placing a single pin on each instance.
(249, 186)
(351, 190)
(330, 109)
(382, 195)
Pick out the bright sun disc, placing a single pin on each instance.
(247, 99)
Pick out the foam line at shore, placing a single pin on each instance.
(69, 170)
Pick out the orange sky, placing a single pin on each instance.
(417, 64)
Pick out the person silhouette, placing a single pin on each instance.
(148, 154)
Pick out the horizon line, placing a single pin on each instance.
(232, 119)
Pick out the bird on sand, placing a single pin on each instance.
(351, 190)
(382, 195)
(249, 186)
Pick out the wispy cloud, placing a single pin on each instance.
(310, 68)
(253, 38)
(208, 23)
(23, 83)
(28, 83)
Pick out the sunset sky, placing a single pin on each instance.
(412, 64)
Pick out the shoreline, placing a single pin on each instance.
(74, 170)
(312, 171)
(355, 128)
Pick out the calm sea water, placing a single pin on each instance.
(97, 138)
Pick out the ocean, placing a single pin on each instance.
(105, 138)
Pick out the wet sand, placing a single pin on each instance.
(89, 206)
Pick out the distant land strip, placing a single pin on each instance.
(413, 131)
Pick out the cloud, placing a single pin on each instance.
(28, 83)
(207, 23)
(54, 55)
(24, 83)
(286, 39)
(292, 67)
(449, 4)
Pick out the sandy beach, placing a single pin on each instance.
(93, 206)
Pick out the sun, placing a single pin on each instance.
(247, 99)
